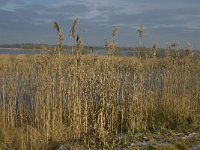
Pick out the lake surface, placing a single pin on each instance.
(32, 52)
(19, 52)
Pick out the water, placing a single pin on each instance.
(19, 52)
(32, 52)
(121, 52)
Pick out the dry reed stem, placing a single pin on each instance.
(51, 99)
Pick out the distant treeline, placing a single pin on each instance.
(27, 46)
(48, 46)
(40, 46)
(137, 51)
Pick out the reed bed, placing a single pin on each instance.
(46, 100)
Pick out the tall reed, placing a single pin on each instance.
(45, 100)
(73, 33)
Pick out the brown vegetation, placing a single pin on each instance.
(54, 99)
(48, 100)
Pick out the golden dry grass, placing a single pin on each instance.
(56, 99)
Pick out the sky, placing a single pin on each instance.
(165, 21)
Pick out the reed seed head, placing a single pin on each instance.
(73, 29)
(140, 31)
(56, 26)
(115, 31)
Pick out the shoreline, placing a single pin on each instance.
(1, 48)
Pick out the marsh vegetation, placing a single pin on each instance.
(46, 100)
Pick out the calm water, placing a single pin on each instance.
(19, 52)
(31, 52)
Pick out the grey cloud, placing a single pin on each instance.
(164, 20)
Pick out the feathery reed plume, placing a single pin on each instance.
(73, 32)
(111, 47)
(73, 29)
(114, 33)
(56, 26)
(140, 32)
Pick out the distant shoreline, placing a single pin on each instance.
(1, 48)
(11, 48)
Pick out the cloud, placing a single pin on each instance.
(173, 18)
(11, 5)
